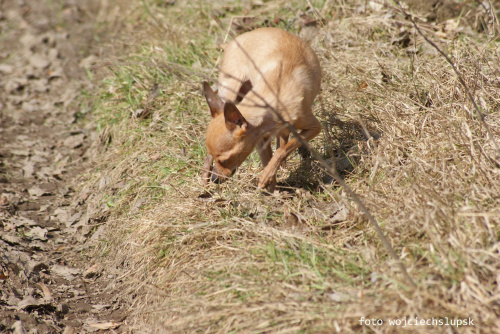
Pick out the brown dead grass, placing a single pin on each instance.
(229, 259)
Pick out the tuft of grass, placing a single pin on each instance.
(398, 124)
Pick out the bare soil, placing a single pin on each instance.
(46, 284)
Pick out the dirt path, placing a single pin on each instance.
(46, 285)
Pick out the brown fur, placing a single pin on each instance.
(265, 71)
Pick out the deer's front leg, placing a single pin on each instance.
(265, 151)
(267, 178)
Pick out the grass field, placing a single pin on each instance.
(398, 122)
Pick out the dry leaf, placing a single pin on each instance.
(37, 192)
(91, 271)
(39, 62)
(74, 141)
(141, 113)
(153, 93)
(38, 233)
(4, 200)
(106, 325)
(156, 157)
(65, 272)
(68, 330)
(46, 291)
(289, 218)
(60, 248)
(28, 169)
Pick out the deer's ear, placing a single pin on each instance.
(233, 117)
(213, 100)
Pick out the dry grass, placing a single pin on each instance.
(228, 259)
